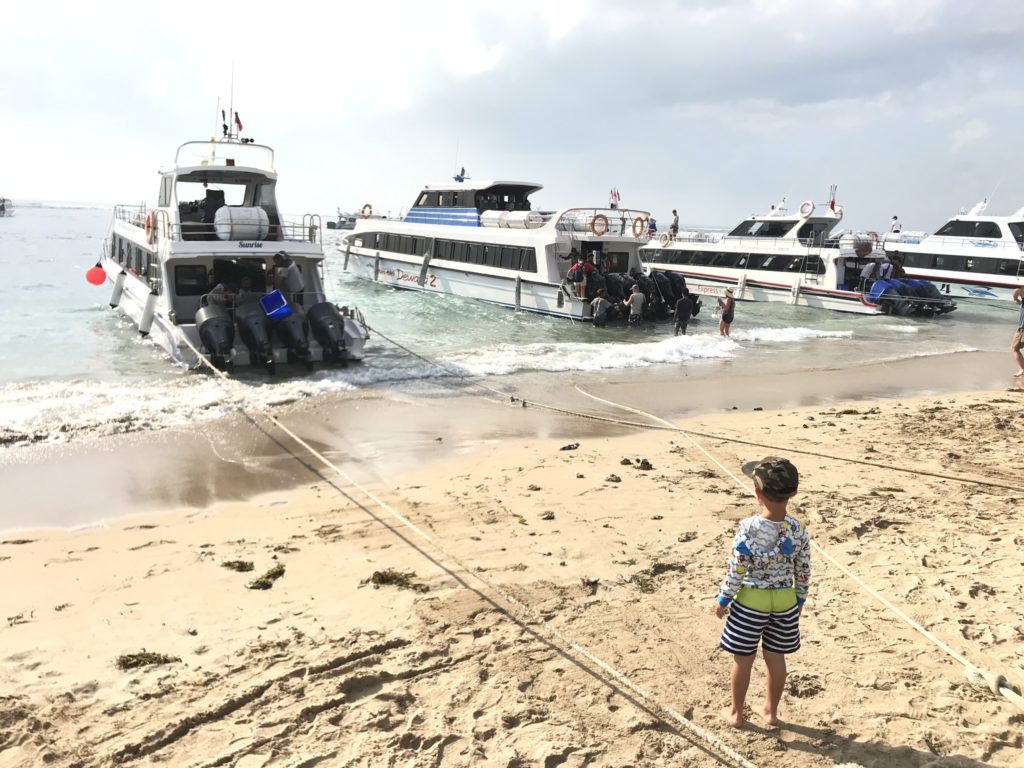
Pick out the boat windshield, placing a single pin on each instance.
(763, 228)
(980, 229)
(1017, 228)
(224, 153)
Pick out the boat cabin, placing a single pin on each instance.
(461, 203)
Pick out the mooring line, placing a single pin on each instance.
(998, 684)
(710, 741)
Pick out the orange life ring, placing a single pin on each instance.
(664, 239)
(601, 220)
(366, 211)
(638, 227)
(150, 228)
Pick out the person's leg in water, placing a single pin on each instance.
(776, 664)
(740, 680)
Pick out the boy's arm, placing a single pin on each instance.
(802, 566)
(734, 578)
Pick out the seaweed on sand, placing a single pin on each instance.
(266, 581)
(242, 566)
(396, 578)
(144, 658)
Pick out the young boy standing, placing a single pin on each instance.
(765, 588)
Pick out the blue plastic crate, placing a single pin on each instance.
(275, 305)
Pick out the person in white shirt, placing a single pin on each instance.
(885, 270)
(289, 278)
(895, 227)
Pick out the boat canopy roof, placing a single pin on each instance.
(524, 187)
(225, 153)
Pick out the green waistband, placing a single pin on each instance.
(767, 600)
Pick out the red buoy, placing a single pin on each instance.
(96, 275)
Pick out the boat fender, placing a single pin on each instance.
(638, 227)
(146, 321)
(366, 211)
(115, 298)
(806, 208)
(150, 228)
(664, 239)
(599, 225)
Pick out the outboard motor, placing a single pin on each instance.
(666, 288)
(931, 297)
(647, 286)
(678, 282)
(217, 333)
(613, 284)
(293, 331)
(255, 329)
(328, 327)
(595, 282)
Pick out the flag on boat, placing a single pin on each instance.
(238, 122)
(832, 205)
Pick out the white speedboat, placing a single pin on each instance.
(788, 258)
(483, 240)
(197, 271)
(972, 255)
(344, 221)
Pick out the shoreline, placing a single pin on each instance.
(383, 431)
(344, 667)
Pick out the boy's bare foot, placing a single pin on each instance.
(733, 718)
(770, 717)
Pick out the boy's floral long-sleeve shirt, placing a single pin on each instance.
(768, 555)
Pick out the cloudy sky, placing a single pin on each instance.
(715, 107)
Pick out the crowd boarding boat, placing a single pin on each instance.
(196, 272)
(483, 240)
(972, 255)
(793, 259)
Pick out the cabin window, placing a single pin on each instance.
(509, 258)
(428, 199)
(702, 258)
(404, 244)
(447, 198)
(814, 232)
(190, 280)
(1017, 230)
(530, 260)
(442, 249)
(919, 260)
(952, 263)
(728, 259)
(474, 253)
(814, 265)
(794, 265)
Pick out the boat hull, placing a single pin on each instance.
(533, 296)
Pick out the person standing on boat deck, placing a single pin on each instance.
(673, 228)
(885, 270)
(765, 588)
(652, 227)
(578, 276)
(289, 278)
(727, 305)
(599, 309)
(895, 227)
(683, 313)
(635, 302)
(1018, 336)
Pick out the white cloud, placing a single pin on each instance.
(968, 133)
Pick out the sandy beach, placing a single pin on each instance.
(509, 567)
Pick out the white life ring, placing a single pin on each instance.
(638, 227)
(599, 225)
(150, 228)
(806, 208)
(664, 239)
(366, 211)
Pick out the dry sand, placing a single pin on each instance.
(520, 549)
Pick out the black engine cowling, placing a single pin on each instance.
(217, 333)
(255, 329)
(293, 331)
(328, 328)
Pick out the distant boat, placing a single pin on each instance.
(792, 259)
(972, 255)
(484, 240)
(344, 221)
(6, 207)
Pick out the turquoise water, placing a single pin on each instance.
(70, 366)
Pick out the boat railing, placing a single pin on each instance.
(292, 229)
(617, 222)
(976, 244)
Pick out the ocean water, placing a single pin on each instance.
(71, 368)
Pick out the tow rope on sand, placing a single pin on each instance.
(711, 743)
(996, 683)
